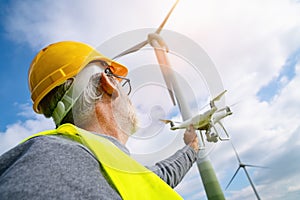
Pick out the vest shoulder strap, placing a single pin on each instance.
(132, 180)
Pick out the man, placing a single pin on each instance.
(85, 157)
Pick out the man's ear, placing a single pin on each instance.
(108, 86)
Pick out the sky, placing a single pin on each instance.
(254, 45)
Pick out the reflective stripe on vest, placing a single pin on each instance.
(132, 180)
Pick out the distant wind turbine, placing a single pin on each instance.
(242, 165)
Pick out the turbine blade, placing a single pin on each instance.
(236, 154)
(166, 18)
(171, 93)
(256, 166)
(132, 49)
(165, 73)
(232, 177)
(252, 185)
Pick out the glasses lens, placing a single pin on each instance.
(125, 83)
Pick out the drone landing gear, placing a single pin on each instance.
(213, 136)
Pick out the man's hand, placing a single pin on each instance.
(190, 138)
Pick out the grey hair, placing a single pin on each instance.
(83, 109)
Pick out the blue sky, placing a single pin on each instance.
(14, 66)
(287, 73)
(15, 58)
(255, 46)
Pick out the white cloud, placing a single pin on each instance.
(18, 131)
(43, 22)
(249, 41)
(293, 188)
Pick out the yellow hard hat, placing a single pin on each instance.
(60, 61)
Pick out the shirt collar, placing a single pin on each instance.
(115, 142)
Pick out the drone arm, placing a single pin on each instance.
(221, 113)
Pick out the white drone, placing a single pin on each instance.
(206, 121)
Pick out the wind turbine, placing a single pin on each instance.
(152, 37)
(208, 175)
(243, 165)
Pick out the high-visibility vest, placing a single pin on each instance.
(131, 179)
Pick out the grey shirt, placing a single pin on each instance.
(54, 167)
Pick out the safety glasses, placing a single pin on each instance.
(124, 82)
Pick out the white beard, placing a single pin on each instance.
(124, 113)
